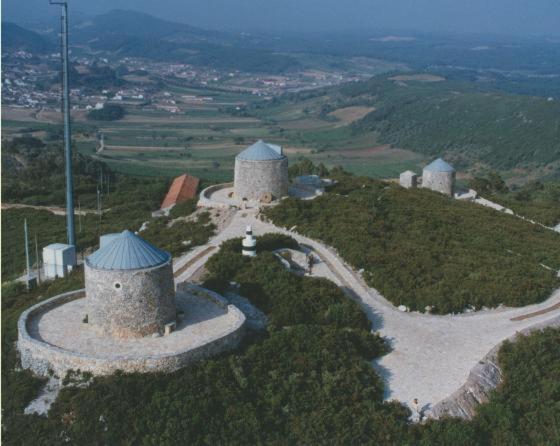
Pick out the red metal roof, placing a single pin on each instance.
(182, 188)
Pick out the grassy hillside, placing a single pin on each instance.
(420, 248)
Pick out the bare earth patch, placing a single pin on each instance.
(417, 77)
(380, 152)
(348, 115)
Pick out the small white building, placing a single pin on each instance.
(58, 260)
(408, 179)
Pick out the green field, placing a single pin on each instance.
(203, 139)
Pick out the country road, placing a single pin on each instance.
(431, 355)
(53, 209)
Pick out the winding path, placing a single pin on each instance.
(431, 355)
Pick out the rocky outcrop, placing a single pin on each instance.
(483, 379)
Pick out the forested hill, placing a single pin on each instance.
(469, 122)
(15, 37)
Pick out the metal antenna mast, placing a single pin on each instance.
(67, 133)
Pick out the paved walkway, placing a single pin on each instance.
(432, 355)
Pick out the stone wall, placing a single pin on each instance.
(130, 303)
(255, 178)
(204, 199)
(443, 182)
(43, 358)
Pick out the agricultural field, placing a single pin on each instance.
(205, 136)
(376, 128)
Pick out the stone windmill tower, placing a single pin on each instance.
(439, 176)
(129, 288)
(261, 173)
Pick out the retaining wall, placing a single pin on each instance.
(43, 358)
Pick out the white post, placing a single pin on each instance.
(249, 243)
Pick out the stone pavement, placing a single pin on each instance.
(431, 355)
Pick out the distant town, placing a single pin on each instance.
(30, 80)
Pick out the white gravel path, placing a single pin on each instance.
(432, 355)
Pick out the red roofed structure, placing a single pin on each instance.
(182, 189)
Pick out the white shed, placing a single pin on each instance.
(58, 259)
(408, 179)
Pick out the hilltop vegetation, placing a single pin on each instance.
(535, 200)
(25, 160)
(306, 380)
(422, 249)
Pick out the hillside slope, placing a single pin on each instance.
(464, 120)
(472, 125)
(422, 249)
(15, 37)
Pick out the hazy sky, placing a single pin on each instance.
(517, 17)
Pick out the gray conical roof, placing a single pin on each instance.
(261, 151)
(127, 251)
(439, 166)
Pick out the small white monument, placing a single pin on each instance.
(249, 243)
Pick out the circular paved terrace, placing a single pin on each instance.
(221, 196)
(53, 336)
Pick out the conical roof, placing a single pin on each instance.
(261, 151)
(439, 166)
(125, 252)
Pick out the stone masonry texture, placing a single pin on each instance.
(443, 182)
(130, 303)
(255, 178)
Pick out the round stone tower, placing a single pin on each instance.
(261, 173)
(129, 288)
(439, 176)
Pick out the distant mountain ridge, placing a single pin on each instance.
(124, 33)
(121, 22)
(14, 37)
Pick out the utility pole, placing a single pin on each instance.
(66, 114)
(80, 216)
(99, 202)
(27, 262)
(37, 260)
